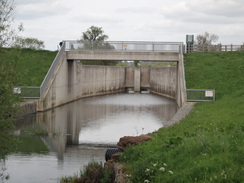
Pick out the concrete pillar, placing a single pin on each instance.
(137, 79)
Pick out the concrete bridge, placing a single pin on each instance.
(68, 80)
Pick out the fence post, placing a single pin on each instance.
(231, 47)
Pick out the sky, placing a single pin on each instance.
(131, 20)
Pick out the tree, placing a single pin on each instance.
(8, 102)
(94, 34)
(8, 78)
(206, 39)
(7, 33)
(94, 38)
(26, 42)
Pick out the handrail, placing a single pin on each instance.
(51, 70)
(139, 46)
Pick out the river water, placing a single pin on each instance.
(81, 131)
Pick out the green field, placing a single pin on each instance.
(208, 145)
(33, 65)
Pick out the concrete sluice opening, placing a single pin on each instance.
(142, 90)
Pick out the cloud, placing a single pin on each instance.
(29, 10)
(134, 10)
(224, 8)
(206, 12)
(95, 18)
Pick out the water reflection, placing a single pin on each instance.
(78, 131)
(103, 120)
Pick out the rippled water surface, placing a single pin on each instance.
(81, 131)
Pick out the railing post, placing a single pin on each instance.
(231, 47)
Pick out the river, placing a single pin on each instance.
(81, 131)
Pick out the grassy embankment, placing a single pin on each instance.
(208, 145)
(33, 65)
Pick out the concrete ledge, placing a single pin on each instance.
(27, 107)
(181, 114)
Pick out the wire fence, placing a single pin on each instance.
(200, 95)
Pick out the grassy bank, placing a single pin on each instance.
(208, 145)
(33, 65)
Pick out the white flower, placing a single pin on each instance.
(171, 172)
(147, 170)
(165, 164)
(146, 181)
(162, 169)
(155, 164)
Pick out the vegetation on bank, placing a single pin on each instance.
(207, 146)
(94, 172)
(8, 78)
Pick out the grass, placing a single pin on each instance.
(93, 173)
(33, 65)
(207, 146)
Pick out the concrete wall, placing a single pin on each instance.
(73, 81)
(145, 77)
(129, 77)
(163, 81)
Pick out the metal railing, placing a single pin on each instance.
(138, 46)
(31, 92)
(216, 48)
(51, 70)
(200, 95)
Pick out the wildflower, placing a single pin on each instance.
(147, 170)
(171, 172)
(155, 164)
(146, 181)
(162, 169)
(165, 164)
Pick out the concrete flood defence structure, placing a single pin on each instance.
(68, 80)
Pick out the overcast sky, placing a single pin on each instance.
(131, 20)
